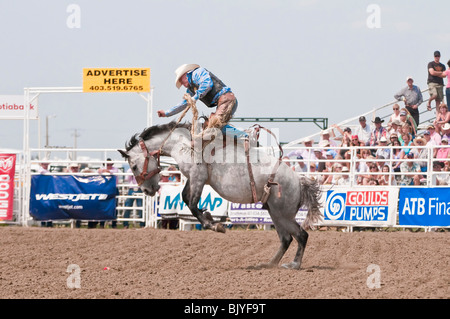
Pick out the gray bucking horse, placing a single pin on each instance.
(225, 168)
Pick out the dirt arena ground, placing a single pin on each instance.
(167, 264)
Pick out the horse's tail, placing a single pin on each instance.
(310, 194)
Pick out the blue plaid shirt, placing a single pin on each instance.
(200, 77)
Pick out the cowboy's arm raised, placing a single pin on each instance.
(174, 110)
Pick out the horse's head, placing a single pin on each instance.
(145, 166)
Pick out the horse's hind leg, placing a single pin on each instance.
(288, 229)
(301, 236)
(285, 241)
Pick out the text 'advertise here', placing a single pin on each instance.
(116, 79)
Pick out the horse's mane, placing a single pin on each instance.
(154, 130)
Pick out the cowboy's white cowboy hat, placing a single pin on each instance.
(182, 69)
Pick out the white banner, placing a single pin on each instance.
(12, 107)
(171, 202)
(360, 206)
(255, 214)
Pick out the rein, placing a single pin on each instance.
(141, 178)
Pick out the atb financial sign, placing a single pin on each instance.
(116, 80)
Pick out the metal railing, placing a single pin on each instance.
(357, 166)
(376, 111)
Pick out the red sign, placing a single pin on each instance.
(7, 169)
(368, 198)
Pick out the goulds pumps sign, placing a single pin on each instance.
(116, 80)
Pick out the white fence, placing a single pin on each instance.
(90, 161)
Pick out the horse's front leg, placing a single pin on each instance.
(191, 196)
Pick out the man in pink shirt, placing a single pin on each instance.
(436, 137)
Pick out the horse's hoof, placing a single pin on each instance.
(218, 228)
(292, 265)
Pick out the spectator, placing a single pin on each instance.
(395, 127)
(439, 178)
(421, 153)
(300, 166)
(325, 144)
(383, 152)
(43, 168)
(406, 141)
(429, 142)
(345, 177)
(435, 136)
(347, 157)
(445, 131)
(306, 152)
(392, 138)
(346, 143)
(406, 129)
(328, 135)
(347, 132)
(435, 81)
(378, 132)
(443, 152)
(334, 178)
(312, 173)
(133, 190)
(320, 160)
(373, 176)
(73, 168)
(174, 177)
(328, 164)
(411, 171)
(405, 117)
(446, 73)
(442, 117)
(397, 154)
(395, 116)
(447, 166)
(384, 179)
(363, 130)
(362, 166)
(412, 97)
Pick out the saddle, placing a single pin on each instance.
(253, 135)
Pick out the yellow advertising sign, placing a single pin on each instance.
(116, 79)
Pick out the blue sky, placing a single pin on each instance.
(306, 58)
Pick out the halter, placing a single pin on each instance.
(141, 178)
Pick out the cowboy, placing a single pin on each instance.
(378, 132)
(203, 85)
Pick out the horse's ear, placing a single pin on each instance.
(123, 153)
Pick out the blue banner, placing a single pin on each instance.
(73, 197)
(424, 206)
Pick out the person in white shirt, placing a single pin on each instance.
(363, 130)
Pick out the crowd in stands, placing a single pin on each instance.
(378, 149)
(394, 153)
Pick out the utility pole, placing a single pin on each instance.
(46, 128)
(75, 136)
